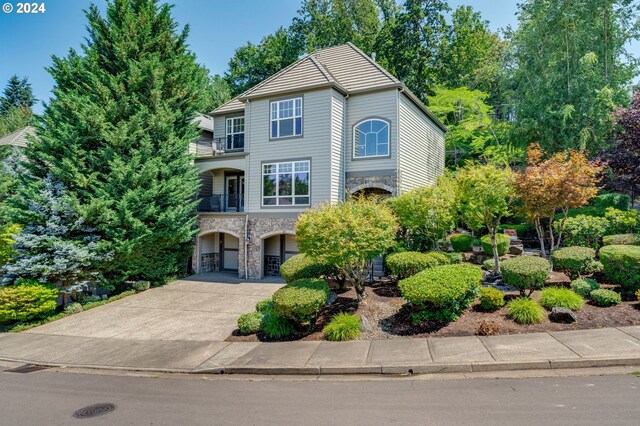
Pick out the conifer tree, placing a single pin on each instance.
(17, 94)
(116, 135)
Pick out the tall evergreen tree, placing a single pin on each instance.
(116, 135)
(572, 69)
(253, 63)
(409, 45)
(17, 94)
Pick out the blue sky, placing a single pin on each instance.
(218, 27)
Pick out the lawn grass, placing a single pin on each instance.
(22, 326)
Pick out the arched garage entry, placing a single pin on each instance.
(276, 249)
(218, 251)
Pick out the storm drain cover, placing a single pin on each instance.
(27, 368)
(94, 410)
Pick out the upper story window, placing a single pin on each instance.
(285, 184)
(235, 133)
(371, 139)
(286, 118)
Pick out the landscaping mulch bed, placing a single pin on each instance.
(389, 316)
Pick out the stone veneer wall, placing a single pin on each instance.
(389, 183)
(259, 228)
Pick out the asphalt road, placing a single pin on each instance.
(50, 398)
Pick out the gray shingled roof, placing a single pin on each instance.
(18, 138)
(345, 68)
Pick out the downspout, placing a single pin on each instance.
(398, 171)
(247, 180)
(345, 123)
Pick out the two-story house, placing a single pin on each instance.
(331, 124)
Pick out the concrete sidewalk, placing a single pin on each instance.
(557, 350)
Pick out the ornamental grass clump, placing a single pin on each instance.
(621, 264)
(461, 242)
(301, 300)
(502, 240)
(525, 311)
(250, 322)
(342, 327)
(441, 293)
(556, 297)
(584, 286)
(525, 273)
(575, 261)
(491, 299)
(605, 298)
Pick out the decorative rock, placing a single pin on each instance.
(516, 250)
(365, 326)
(563, 315)
(332, 298)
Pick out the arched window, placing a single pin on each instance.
(371, 139)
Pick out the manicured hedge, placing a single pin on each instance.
(582, 230)
(408, 263)
(439, 257)
(503, 241)
(605, 298)
(27, 300)
(622, 266)
(621, 240)
(575, 261)
(584, 286)
(250, 323)
(462, 242)
(491, 298)
(443, 292)
(302, 266)
(525, 272)
(301, 300)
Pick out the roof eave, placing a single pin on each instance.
(404, 89)
(327, 85)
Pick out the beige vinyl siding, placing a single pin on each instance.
(314, 144)
(337, 146)
(206, 184)
(379, 105)
(421, 147)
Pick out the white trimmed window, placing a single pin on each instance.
(235, 133)
(286, 118)
(371, 139)
(286, 184)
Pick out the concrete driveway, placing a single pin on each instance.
(199, 308)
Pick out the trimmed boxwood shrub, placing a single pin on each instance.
(621, 240)
(342, 327)
(622, 266)
(408, 263)
(443, 292)
(301, 300)
(439, 257)
(264, 306)
(27, 300)
(491, 298)
(525, 272)
(462, 242)
(557, 297)
(302, 266)
(575, 261)
(73, 308)
(503, 241)
(584, 286)
(525, 311)
(250, 323)
(604, 298)
(454, 257)
(141, 285)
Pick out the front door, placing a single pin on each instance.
(235, 193)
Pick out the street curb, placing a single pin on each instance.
(436, 368)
